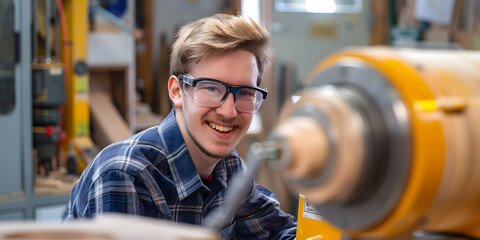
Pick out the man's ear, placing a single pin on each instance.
(175, 91)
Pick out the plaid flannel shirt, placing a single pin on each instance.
(151, 174)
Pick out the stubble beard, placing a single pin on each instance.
(204, 150)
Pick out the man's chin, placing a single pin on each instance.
(216, 153)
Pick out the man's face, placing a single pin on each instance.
(215, 131)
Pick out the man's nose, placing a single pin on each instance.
(227, 108)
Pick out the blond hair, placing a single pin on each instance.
(219, 34)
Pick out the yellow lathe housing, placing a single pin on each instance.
(77, 110)
(312, 225)
(385, 142)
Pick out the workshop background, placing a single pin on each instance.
(77, 75)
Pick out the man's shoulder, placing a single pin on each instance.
(131, 155)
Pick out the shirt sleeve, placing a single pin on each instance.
(260, 217)
(119, 192)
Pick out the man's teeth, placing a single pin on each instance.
(221, 128)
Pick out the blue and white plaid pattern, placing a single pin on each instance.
(151, 174)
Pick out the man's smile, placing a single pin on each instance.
(220, 128)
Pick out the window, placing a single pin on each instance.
(319, 6)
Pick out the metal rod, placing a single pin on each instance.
(47, 30)
(241, 184)
(35, 30)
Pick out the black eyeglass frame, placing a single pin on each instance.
(190, 80)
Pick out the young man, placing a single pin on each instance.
(181, 169)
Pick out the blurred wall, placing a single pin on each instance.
(169, 14)
(303, 39)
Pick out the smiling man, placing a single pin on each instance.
(216, 108)
(180, 169)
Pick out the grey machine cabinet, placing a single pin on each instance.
(18, 200)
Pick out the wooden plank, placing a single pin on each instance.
(163, 105)
(108, 124)
(381, 28)
(477, 18)
(145, 117)
(107, 226)
(113, 80)
(144, 59)
(456, 16)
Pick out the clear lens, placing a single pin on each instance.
(209, 94)
(248, 99)
(211, 89)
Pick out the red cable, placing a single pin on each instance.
(66, 59)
